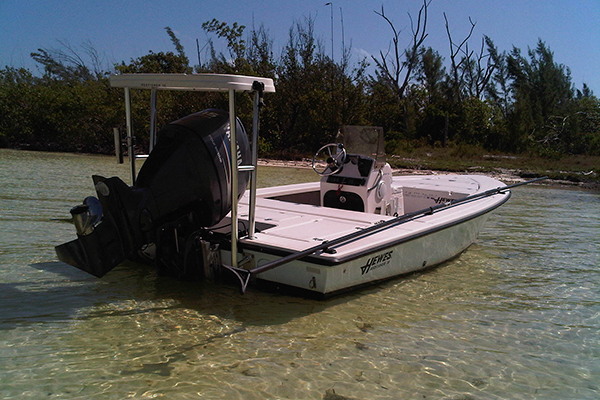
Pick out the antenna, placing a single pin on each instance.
(331, 6)
(333, 108)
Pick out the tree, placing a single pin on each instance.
(177, 43)
(159, 63)
(507, 101)
(478, 69)
(236, 45)
(457, 68)
(260, 53)
(68, 63)
(583, 124)
(302, 90)
(542, 93)
(49, 114)
(156, 63)
(431, 74)
(396, 70)
(498, 89)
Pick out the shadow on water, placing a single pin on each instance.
(56, 299)
(68, 294)
(24, 303)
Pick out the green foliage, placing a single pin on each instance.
(498, 101)
(232, 34)
(304, 77)
(177, 43)
(475, 122)
(156, 63)
(543, 98)
(431, 75)
(44, 114)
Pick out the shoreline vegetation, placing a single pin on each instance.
(574, 173)
(509, 113)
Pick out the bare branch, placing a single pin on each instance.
(419, 36)
(464, 66)
(394, 73)
(399, 70)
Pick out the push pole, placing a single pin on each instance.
(233, 170)
(377, 228)
(258, 90)
(152, 119)
(130, 146)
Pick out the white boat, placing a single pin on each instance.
(358, 225)
(405, 245)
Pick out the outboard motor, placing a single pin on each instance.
(184, 184)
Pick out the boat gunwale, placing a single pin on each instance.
(331, 261)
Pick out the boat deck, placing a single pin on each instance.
(293, 226)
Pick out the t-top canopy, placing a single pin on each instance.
(201, 82)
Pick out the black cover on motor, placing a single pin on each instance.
(187, 173)
(189, 167)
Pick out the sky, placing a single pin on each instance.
(126, 29)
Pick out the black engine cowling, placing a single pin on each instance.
(187, 175)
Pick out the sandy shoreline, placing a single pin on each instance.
(507, 176)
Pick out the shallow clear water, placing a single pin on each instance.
(516, 316)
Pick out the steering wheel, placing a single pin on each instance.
(334, 161)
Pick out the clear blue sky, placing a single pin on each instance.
(125, 29)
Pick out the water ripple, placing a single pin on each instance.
(515, 316)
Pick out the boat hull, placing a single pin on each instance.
(407, 253)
